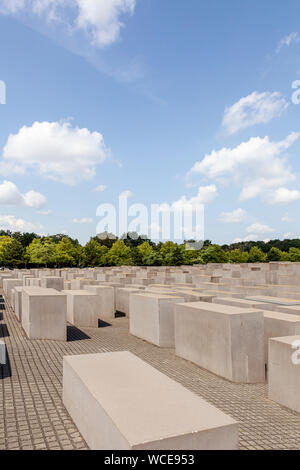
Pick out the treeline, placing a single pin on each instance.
(31, 250)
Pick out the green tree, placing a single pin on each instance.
(275, 254)
(95, 254)
(172, 254)
(238, 256)
(294, 254)
(68, 253)
(256, 255)
(119, 254)
(192, 257)
(144, 250)
(42, 251)
(214, 254)
(11, 252)
(153, 258)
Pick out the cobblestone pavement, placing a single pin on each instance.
(32, 415)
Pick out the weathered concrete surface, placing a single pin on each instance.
(119, 402)
(151, 317)
(228, 341)
(122, 298)
(284, 375)
(82, 308)
(44, 314)
(106, 300)
(52, 282)
(278, 325)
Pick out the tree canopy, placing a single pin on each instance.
(28, 249)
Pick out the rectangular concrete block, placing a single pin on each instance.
(18, 302)
(52, 282)
(106, 300)
(234, 302)
(227, 341)
(44, 314)
(78, 284)
(33, 282)
(122, 298)
(9, 284)
(82, 308)
(118, 402)
(2, 352)
(284, 371)
(277, 325)
(151, 317)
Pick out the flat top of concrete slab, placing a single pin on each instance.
(129, 289)
(275, 300)
(188, 291)
(144, 404)
(21, 288)
(281, 316)
(290, 340)
(42, 291)
(97, 286)
(238, 301)
(51, 277)
(85, 293)
(158, 295)
(224, 309)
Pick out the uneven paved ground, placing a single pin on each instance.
(32, 415)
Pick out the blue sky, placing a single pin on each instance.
(172, 101)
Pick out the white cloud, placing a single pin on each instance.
(34, 199)
(205, 195)
(101, 188)
(10, 222)
(256, 108)
(55, 150)
(283, 196)
(259, 228)
(126, 194)
(258, 165)
(249, 238)
(287, 41)
(11, 196)
(100, 20)
(84, 220)
(235, 217)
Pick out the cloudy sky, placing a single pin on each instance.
(165, 101)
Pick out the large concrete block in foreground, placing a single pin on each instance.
(106, 300)
(82, 308)
(118, 402)
(227, 341)
(44, 314)
(52, 282)
(2, 352)
(284, 371)
(151, 317)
